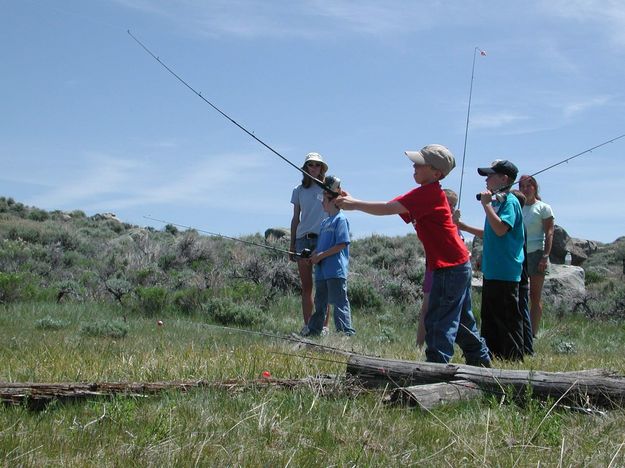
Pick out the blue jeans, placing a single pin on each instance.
(449, 318)
(331, 291)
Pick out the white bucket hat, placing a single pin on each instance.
(315, 157)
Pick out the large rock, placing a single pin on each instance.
(580, 249)
(276, 233)
(105, 217)
(564, 286)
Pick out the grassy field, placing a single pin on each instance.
(43, 342)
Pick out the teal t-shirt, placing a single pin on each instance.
(502, 257)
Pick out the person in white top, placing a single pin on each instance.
(308, 213)
(539, 222)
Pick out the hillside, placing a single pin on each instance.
(68, 256)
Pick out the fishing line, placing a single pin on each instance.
(199, 94)
(304, 253)
(589, 150)
(280, 337)
(466, 130)
(488, 389)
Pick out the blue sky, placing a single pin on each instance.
(91, 122)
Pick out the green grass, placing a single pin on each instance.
(273, 427)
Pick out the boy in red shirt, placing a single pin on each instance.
(449, 317)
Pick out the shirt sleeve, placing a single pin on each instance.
(410, 201)
(342, 231)
(507, 214)
(547, 212)
(295, 196)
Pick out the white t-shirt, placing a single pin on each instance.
(311, 209)
(533, 216)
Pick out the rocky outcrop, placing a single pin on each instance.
(580, 249)
(564, 287)
(274, 234)
(105, 217)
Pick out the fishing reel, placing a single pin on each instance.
(499, 196)
(305, 253)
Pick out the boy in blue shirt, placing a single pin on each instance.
(332, 259)
(502, 261)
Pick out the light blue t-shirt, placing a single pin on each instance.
(334, 230)
(502, 257)
(533, 217)
(311, 209)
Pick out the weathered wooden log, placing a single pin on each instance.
(594, 387)
(37, 395)
(428, 396)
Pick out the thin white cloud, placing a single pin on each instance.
(495, 120)
(312, 19)
(124, 183)
(575, 108)
(609, 13)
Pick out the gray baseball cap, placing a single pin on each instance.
(437, 156)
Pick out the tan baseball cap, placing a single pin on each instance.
(437, 156)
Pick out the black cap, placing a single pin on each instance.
(500, 166)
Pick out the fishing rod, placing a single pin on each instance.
(199, 94)
(466, 129)
(589, 150)
(303, 254)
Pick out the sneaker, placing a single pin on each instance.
(305, 331)
(325, 331)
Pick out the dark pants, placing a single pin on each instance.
(524, 307)
(502, 320)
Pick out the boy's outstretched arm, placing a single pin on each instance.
(465, 227)
(347, 202)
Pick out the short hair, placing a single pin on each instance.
(522, 199)
(452, 197)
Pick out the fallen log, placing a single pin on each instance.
(593, 387)
(428, 396)
(37, 396)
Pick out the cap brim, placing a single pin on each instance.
(484, 171)
(415, 156)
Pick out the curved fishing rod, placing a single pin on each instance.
(303, 254)
(199, 94)
(589, 150)
(466, 129)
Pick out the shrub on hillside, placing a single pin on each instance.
(105, 329)
(16, 287)
(189, 300)
(244, 291)
(50, 323)
(610, 305)
(150, 301)
(283, 279)
(227, 312)
(37, 214)
(401, 292)
(362, 295)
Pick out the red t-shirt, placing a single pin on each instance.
(429, 213)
